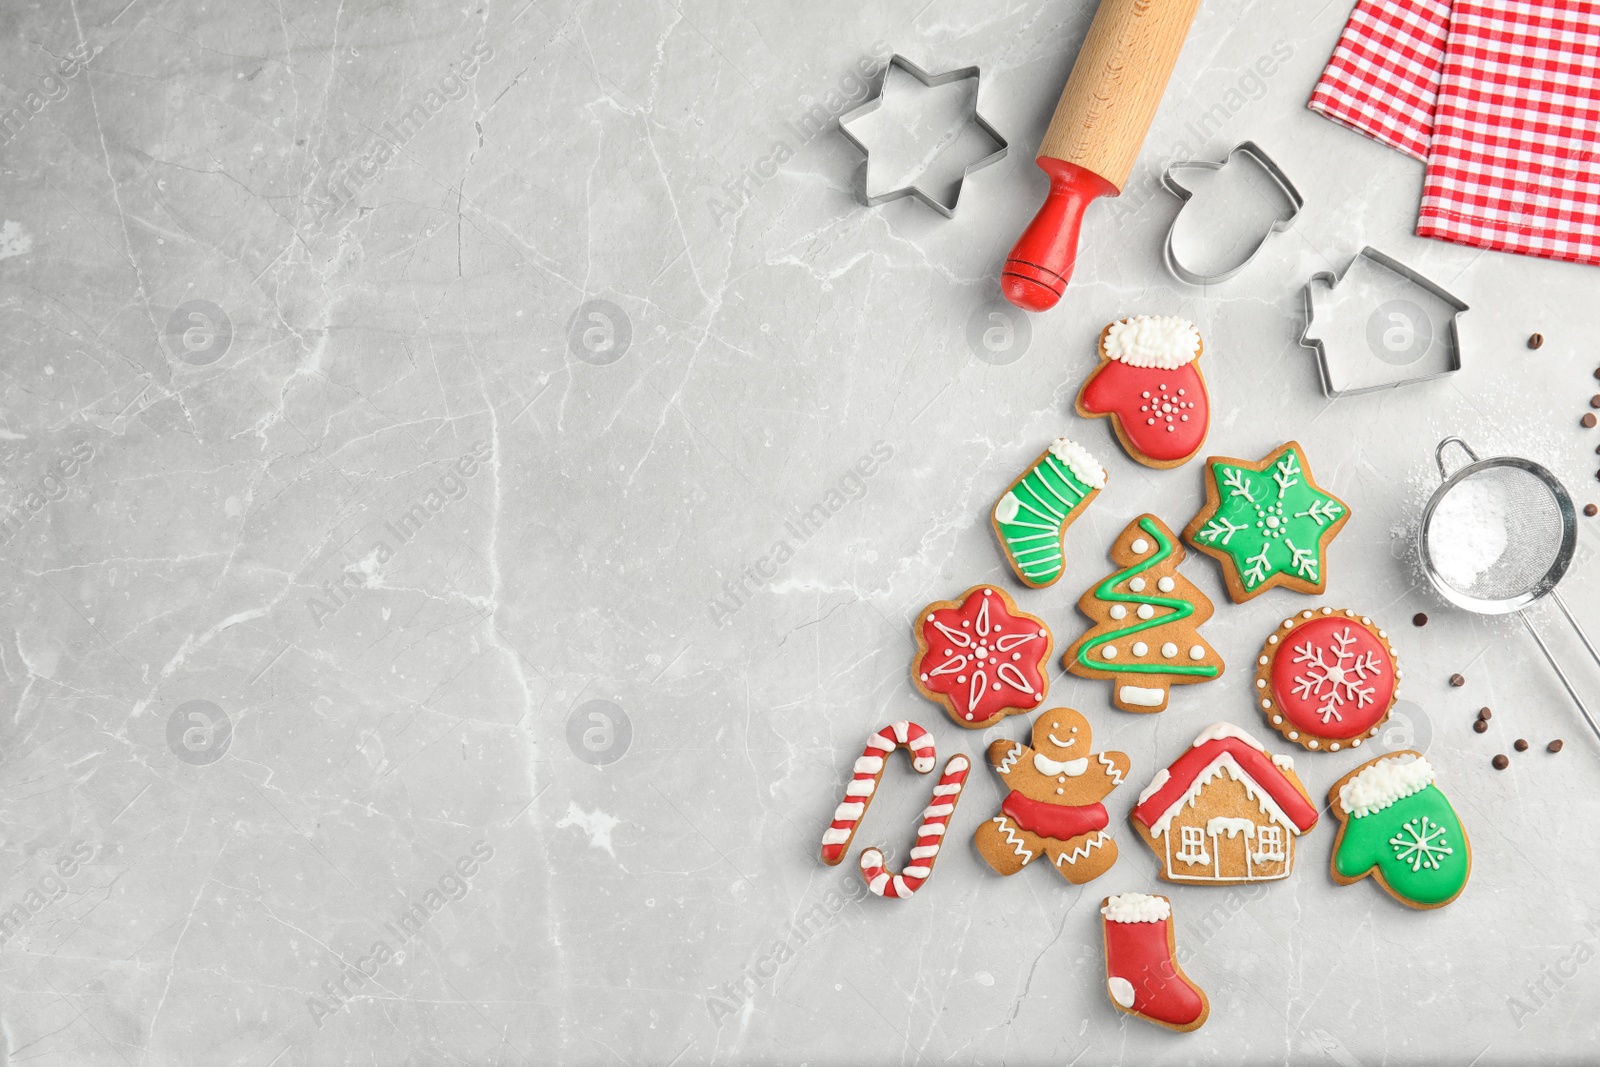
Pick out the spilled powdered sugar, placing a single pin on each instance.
(1467, 535)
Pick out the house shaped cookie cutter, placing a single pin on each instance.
(1274, 173)
(929, 81)
(1344, 369)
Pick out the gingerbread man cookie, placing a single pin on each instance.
(1054, 808)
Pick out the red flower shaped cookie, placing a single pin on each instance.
(1326, 679)
(981, 657)
(1149, 382)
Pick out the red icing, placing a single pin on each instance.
(1139, 954)
(1118, 389)
(1366, 666)
(1061, 822)
(1183, 771)
(952, 664)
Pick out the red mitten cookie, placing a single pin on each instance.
(1149, 383)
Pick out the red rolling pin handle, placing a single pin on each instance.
(1095, 134)
(1040, 265)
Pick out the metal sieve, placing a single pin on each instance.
(1532, 531)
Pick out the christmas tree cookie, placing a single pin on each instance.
(1395, 825)
(1031, 519)
(1269, 523)
(1149, 383)
(1145, 638)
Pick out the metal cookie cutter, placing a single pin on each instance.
(1252, 152)
(930, 81)
(1373, 331)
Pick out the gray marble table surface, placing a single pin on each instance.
(404, 408)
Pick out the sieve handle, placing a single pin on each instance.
(1562, 604)
(1573, 693)
(1438, 454)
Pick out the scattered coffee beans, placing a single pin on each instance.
(1520, 745)
(1536, 341)
(1554, 746)
(1500, 762)
(1591, 509)
(1481, 726)
(1589, 420)
(1419, 619)
(1485, 714)
(1457, 681)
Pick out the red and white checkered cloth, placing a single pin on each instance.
(1501, 100)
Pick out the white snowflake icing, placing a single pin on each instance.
(1335, 674)
(1420, 843)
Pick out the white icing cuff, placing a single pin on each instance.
(1084, 467)
(1218, 730)
(1136, 908)
(1163, 341)
(1383, 783)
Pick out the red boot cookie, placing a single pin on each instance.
(1149, 383)
(1143, 978)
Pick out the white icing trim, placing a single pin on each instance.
(1164, 341)
(1084, 466)
(1007, 507)
(1383, 783)
(1218, 730)
(1072, 768)
(1224, 824)
(1136, 908)
(1142, 697)
(1121, 991)
(869, 764)
(1224, 764)
(1283, 763)
(1155, 785)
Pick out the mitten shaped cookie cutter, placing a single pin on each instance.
(1252, 152)
(863, 785)
(929, 81)
(1403, 342)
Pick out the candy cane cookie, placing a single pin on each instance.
(917, 742)
(930, 835)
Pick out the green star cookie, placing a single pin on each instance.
(1269, 523)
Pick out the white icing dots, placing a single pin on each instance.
(1166, 585)
(1140, 648)
(1169, 650)
(1118, 611)
(1140, 546)
(1197, 652)
(1109, 652)
(1146, 611)
(1137, 585)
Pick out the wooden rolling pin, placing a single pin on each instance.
(1095, 135)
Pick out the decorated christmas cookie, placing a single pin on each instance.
(1268, 523)
(1031, 519)
(863, 786)
(1146, 635)
(1143, 978)
(1053, 808)
(981, 657)
(1224, 811)
(1149, 383)
(1396, 825)
(1326, 679)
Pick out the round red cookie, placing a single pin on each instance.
(1326, 679)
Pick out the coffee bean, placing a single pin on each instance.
(1457, 681)
(1594, 401)
(1554, 746)
(1589, 420)
(1591, 509)
(1481, 727)
(1419, 619)
(1520, 745)
(1597, 372)
(1485, 714)
(1536, 341)
(1500, 762)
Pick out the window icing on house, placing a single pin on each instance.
(1193, 842)
(1269, 845)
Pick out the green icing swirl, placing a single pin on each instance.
(1181, 609)
(1416, 843)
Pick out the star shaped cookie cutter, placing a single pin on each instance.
(928, 81)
